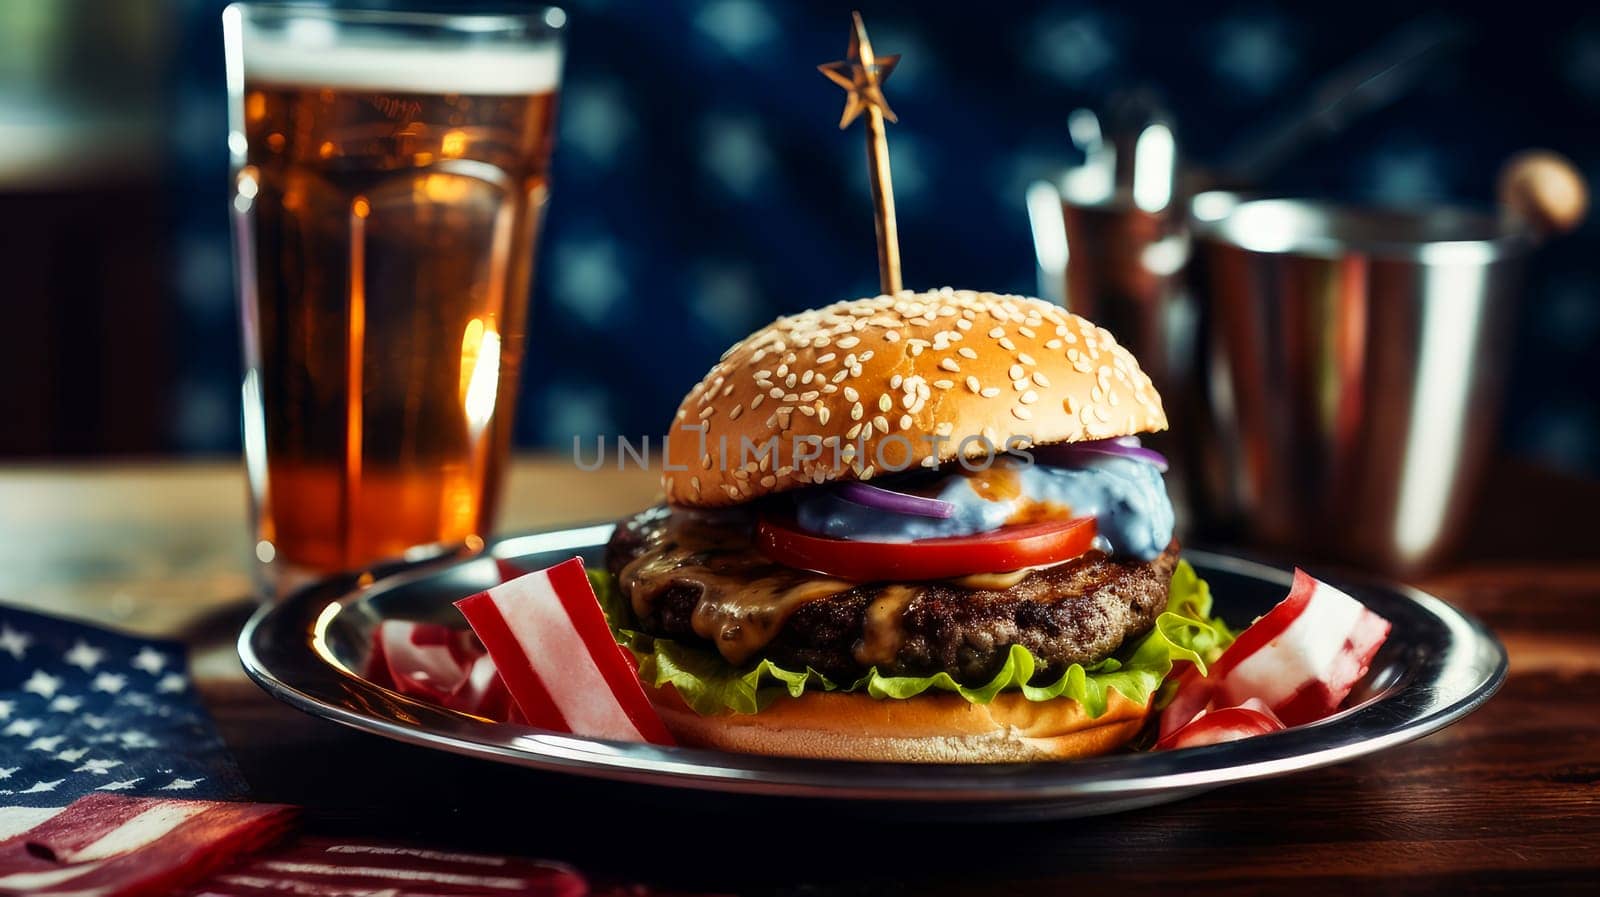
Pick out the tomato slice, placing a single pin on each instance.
(1007, 548)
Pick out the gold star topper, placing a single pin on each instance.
(862, 73)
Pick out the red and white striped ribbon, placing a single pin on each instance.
(548, 637)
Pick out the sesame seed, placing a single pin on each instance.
(791, 397)
(880, 423)
(990, 392)
(1053, 344)
(824, 359)
(905, 421)
(884, 402)
(853, 432)
(1040, 378)
(756, 402)
(867, 355)
(707, 411)
(808, 377)
(769, 481)
(973, 384)
(1017, 373)
(1021, 413)
(1008, 345)
(737, 410)
(857, 412)
(808, 411)
(809, 395)
(967, 352)
(783, 369)
(949, 364)
(823, 414)
(1029, 397)
(1027, 332)
(849, 342)
(851, 394)
(790, 381)
(997, 332)
(1026, 359)
(895, 381)
(915, 350)
(944, 384)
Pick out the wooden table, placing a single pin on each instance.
(1508, 800)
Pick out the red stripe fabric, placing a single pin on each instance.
(516, 670)
(325, 867)
(157, 862)
(1268, 627)
(87, 820)
(572, 586)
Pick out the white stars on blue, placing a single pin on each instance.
(725, 300)
(1076, 50)
(1582, 63)
(77, 703)
(739, 27)
(14, 642)
(576, 409)
(596, 121)
(1254, 54)
(736, 155)
(83, 656)
(207, 411)
(1404, 174)
(587, 278)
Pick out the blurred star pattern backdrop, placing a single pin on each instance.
(701, 187)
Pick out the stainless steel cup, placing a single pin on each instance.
(1351, 363)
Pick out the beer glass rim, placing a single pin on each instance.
(546, 21)
(1277, 225)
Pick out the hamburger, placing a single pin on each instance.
(917, 527)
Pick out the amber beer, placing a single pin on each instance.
(387, 204)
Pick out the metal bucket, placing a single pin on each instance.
(1350, 365)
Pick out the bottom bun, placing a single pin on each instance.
(930, 728)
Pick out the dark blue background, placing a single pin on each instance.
(701, 187)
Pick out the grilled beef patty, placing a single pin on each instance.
(1077, 612)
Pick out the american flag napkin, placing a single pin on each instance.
(85, 710)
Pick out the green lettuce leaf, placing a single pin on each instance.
(1185, 631)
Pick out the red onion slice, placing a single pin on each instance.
(1120, 447)
(895, 502)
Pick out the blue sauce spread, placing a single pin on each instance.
(1126, 497)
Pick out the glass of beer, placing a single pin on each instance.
(390, 173)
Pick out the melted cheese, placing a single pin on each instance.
(744, 598)
(883, 630)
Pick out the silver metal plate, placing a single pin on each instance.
(1437, 666)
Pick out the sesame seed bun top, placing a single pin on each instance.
(873, 386)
